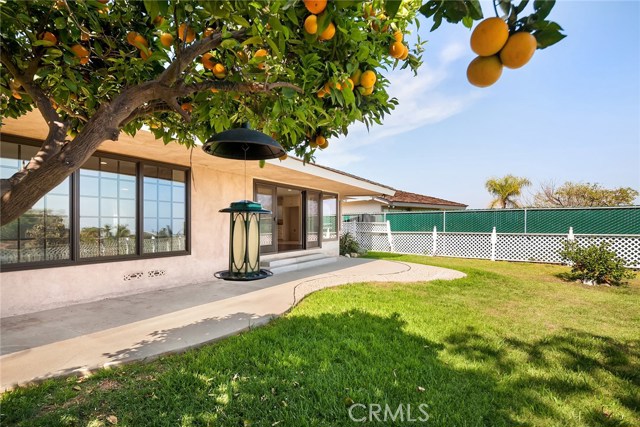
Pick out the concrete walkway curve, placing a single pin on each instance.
(28, 357)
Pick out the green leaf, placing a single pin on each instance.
(71, 85)
(262, 164)
(229, 43)
(288, 93)
(240, 21)
(467, 21)
(255, 40)
(153, 8)
(274, 48)
(391, 7)
(60, 23)
(546, 38)
(543, 7)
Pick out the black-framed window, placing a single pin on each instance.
(108, 208)
(112, 208)
(43, 232)
(329, 216)
(164, 209)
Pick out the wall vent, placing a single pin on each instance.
(133, 276)
(155, 273)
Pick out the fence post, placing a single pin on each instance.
(434, 248)
(570, 236)
(390, 236)
(494, 240)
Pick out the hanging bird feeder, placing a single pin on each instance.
(244, 241)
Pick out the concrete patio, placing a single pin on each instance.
(84, 337)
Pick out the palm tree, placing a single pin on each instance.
(506, 190)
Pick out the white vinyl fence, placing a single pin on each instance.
(377, 236)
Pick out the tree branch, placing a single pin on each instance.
(186, 56)
(225, 86)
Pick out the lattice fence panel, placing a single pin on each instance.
(529, 247)
(413, 243)
(371, 236)
(464, 245)
(626, 247)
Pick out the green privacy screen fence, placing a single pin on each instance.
(624, 220)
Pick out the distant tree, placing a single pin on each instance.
(506, 190)
(571, 194)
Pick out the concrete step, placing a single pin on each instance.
(298, 263)
(279, 262)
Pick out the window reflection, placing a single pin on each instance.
(42, 233)
(164, 210)
(107, 212)
(329, 217)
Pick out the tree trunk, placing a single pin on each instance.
(25, 188)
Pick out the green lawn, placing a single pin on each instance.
(511, 344)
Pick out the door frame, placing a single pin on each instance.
(273, 248)
(303, 217)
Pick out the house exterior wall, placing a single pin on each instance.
(212, 188)
(365, 206)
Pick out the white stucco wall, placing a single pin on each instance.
(368, 206)
(211, 190)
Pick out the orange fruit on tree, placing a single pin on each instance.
(349, 83)
(84, 60)
(365, 91)
(50, 37)
(186, 33)
(321, 93)
(518, 50)
(320, 140)
(131, 37)
(315, 6)
(187, 107)
(79, 51)
(369, 10)
(484, 71)
(145, 55)
(207, 62)
(140, 41)
(398, 36)
(260, 53)
(323, 145)
(16, 95)
(405, 53)
(84, 36)
(332, 85)
(328, 32)
(311, 24)
(396, 49)
(208, 31)
(214, 90)
(166, 39)
(489, 36)
(242, 56)
(219, 71)
(368, 79)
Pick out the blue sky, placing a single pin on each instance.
(571, 114)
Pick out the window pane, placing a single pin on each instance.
(108, 208)
(329, 217)
(43, 232)
(164, 224)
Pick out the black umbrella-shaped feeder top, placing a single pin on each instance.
(243, 144)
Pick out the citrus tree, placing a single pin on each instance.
(301, 71)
